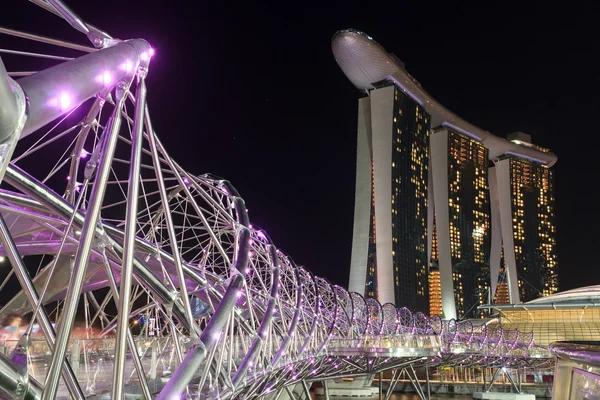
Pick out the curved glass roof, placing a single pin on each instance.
(586, 294)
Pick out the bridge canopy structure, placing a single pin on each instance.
(97, 220)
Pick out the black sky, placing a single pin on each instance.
(252, 93)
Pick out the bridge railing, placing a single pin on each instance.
(399, 344)
(92, 360)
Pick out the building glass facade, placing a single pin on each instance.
(469, 219)
(410, 158)
(416, 277)
(532, 206)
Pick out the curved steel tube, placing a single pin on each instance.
(60, 89)
(9, 111)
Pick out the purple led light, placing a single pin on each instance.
(126, 66)
(151, 52)
(144, 56)
(83, 154)
(63, 100)
(105, 78)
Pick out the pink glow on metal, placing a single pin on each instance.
(106, 78)
(64, 100)
(151, 52)
(83, 154)
(127, 66)
(144, 56)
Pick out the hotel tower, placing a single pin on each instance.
(442, 207)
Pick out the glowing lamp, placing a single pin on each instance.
(63, 101)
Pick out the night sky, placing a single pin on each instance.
(253, 94)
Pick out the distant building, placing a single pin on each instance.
(572, 315)
(435, 190)
(390, 224)
(435, 292)
(462, 215)
(526, 208)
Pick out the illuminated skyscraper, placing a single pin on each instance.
(462, 216)
(390, 229)
(454, 198)
(525, 191)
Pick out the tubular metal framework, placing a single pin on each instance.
(95, 216)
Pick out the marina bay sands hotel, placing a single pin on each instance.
(447, 216)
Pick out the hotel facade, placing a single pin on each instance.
(443, 209)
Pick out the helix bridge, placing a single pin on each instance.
(100, 224)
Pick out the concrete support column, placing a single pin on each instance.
(362, 200)
(439, 173)
(505, 206)
(496, 248)
(382, 120)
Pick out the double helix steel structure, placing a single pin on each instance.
(96, 217)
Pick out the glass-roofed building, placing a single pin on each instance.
(572, 315)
